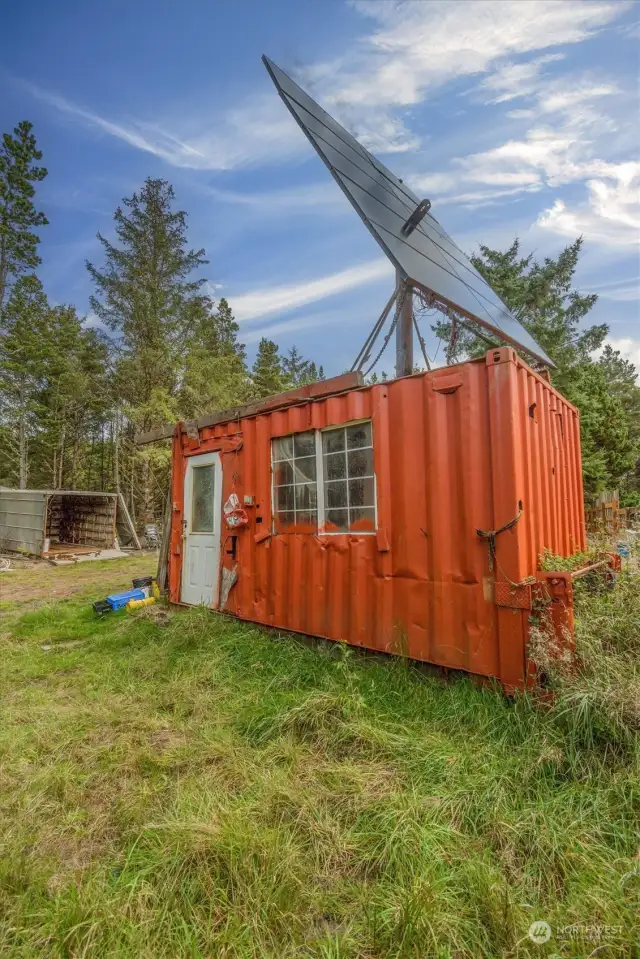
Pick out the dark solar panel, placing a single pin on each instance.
(427, 256)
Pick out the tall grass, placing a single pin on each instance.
(179, 784)
(597, 693)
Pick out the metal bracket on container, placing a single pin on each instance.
(447, 384)
(513, 597)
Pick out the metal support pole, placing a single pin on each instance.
(404, 329)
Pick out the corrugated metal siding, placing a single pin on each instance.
(454, 451)
(22, 520)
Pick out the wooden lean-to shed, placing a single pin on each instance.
(406, 517)
(64, 523)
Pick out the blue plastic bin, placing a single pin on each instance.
(118, 600)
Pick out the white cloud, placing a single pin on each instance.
(550, 157)
(421, 45)
(626, 289)
(611, 213)
(294, 199)
(282, 299)
(286, 327)
(560, 98)
(628, 347)
(511, 80)
(415, 48)
(91, 321)
(258, 130)
(521, 114)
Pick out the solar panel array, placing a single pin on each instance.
(427, 256)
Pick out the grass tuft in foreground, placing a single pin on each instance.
(180, 784)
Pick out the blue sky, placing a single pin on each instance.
(515, 117)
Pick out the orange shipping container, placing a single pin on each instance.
(405, 517)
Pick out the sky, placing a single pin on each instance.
(514, 117)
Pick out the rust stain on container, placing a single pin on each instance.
(454, 450)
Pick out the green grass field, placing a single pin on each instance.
(179, 784)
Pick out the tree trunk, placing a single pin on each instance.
(22, 434)
(90, 460)
(102, 456)
(74, 463)
(147, 493)
(131, 493)
(61, 462)
(116, 457)
(3, 278)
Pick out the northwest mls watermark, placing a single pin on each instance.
(540, 932)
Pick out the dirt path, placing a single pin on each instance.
(43, 582)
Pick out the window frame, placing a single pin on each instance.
(293, 486)
(320, 482)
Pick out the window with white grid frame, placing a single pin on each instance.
(295, 489)
(324, 480)
(348, 488)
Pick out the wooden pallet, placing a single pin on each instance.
(69, 550)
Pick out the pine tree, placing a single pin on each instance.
(74, 396)
(299, 371)
(216, 375)
(542, 298)
(18, 216)
(267, 374)
(146, 294)
(621, 377)
(52, 383)
(22, 366)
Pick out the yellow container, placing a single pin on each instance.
(137, 603)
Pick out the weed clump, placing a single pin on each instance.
(597, 691)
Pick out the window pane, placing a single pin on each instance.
(304, 444)
(283, 474)
(363, 518)
(202, 499)
(285, 519)
(305, 469)
(358, 435)
(283, 448)
(360, 463)
(335, 495)
(361, 492)
(307, 518)
(335, 466)
(333, 440)
(284, 498)
(306, 496)
(337, 519)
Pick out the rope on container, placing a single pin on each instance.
(490, 536)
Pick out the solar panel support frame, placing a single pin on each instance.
(426, 255)
(404, 327)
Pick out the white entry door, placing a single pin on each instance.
(202, 517)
